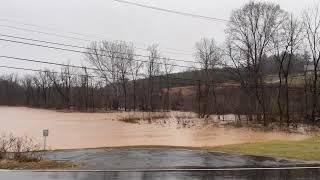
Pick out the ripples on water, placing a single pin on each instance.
(89, 130)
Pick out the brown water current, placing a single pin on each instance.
(90, 130)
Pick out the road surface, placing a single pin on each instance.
(302, 174)
(166, 164)
(160, 158)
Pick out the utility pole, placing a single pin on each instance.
(199, 98)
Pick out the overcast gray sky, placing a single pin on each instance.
(110, 20)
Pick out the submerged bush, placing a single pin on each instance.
(22, 149)
(137, 117)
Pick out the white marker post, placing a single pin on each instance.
(45, 134)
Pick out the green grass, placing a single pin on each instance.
(296, 79)
(45, 164)
(304, 150)
(308, 149)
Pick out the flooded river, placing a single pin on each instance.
(89, 130)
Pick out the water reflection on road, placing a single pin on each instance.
(300, 174)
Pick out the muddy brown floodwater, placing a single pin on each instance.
(90, 130)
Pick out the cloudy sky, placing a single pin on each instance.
(110, 20)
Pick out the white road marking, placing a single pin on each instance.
(165, 170)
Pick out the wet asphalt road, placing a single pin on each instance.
(215, 175)
(136, 160)
(159, 158)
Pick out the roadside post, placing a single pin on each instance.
(45, 134)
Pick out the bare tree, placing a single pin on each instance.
(153, 70)
(37, 83)
(104, 57)
(312, 28)
(67, 82)
(287, 41)
(57, 85)
(125, 58)
(208, 55)
(135, 68)
(168, 67)
(307, 82)
(293, 34)
(85, 87)
(249, 33)
(113, 60)
(27, 85)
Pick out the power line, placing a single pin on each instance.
(51, 63)
(37, 26)
(42, 32)
(18, 68)
(172, 11)
(48, 42)
(47, 62)
(86, 35)
(75, 66)
(83, 52)
(181, 52)
(46, 71)
(89, 76)
(82, 47)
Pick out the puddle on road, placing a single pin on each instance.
(90, 130)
